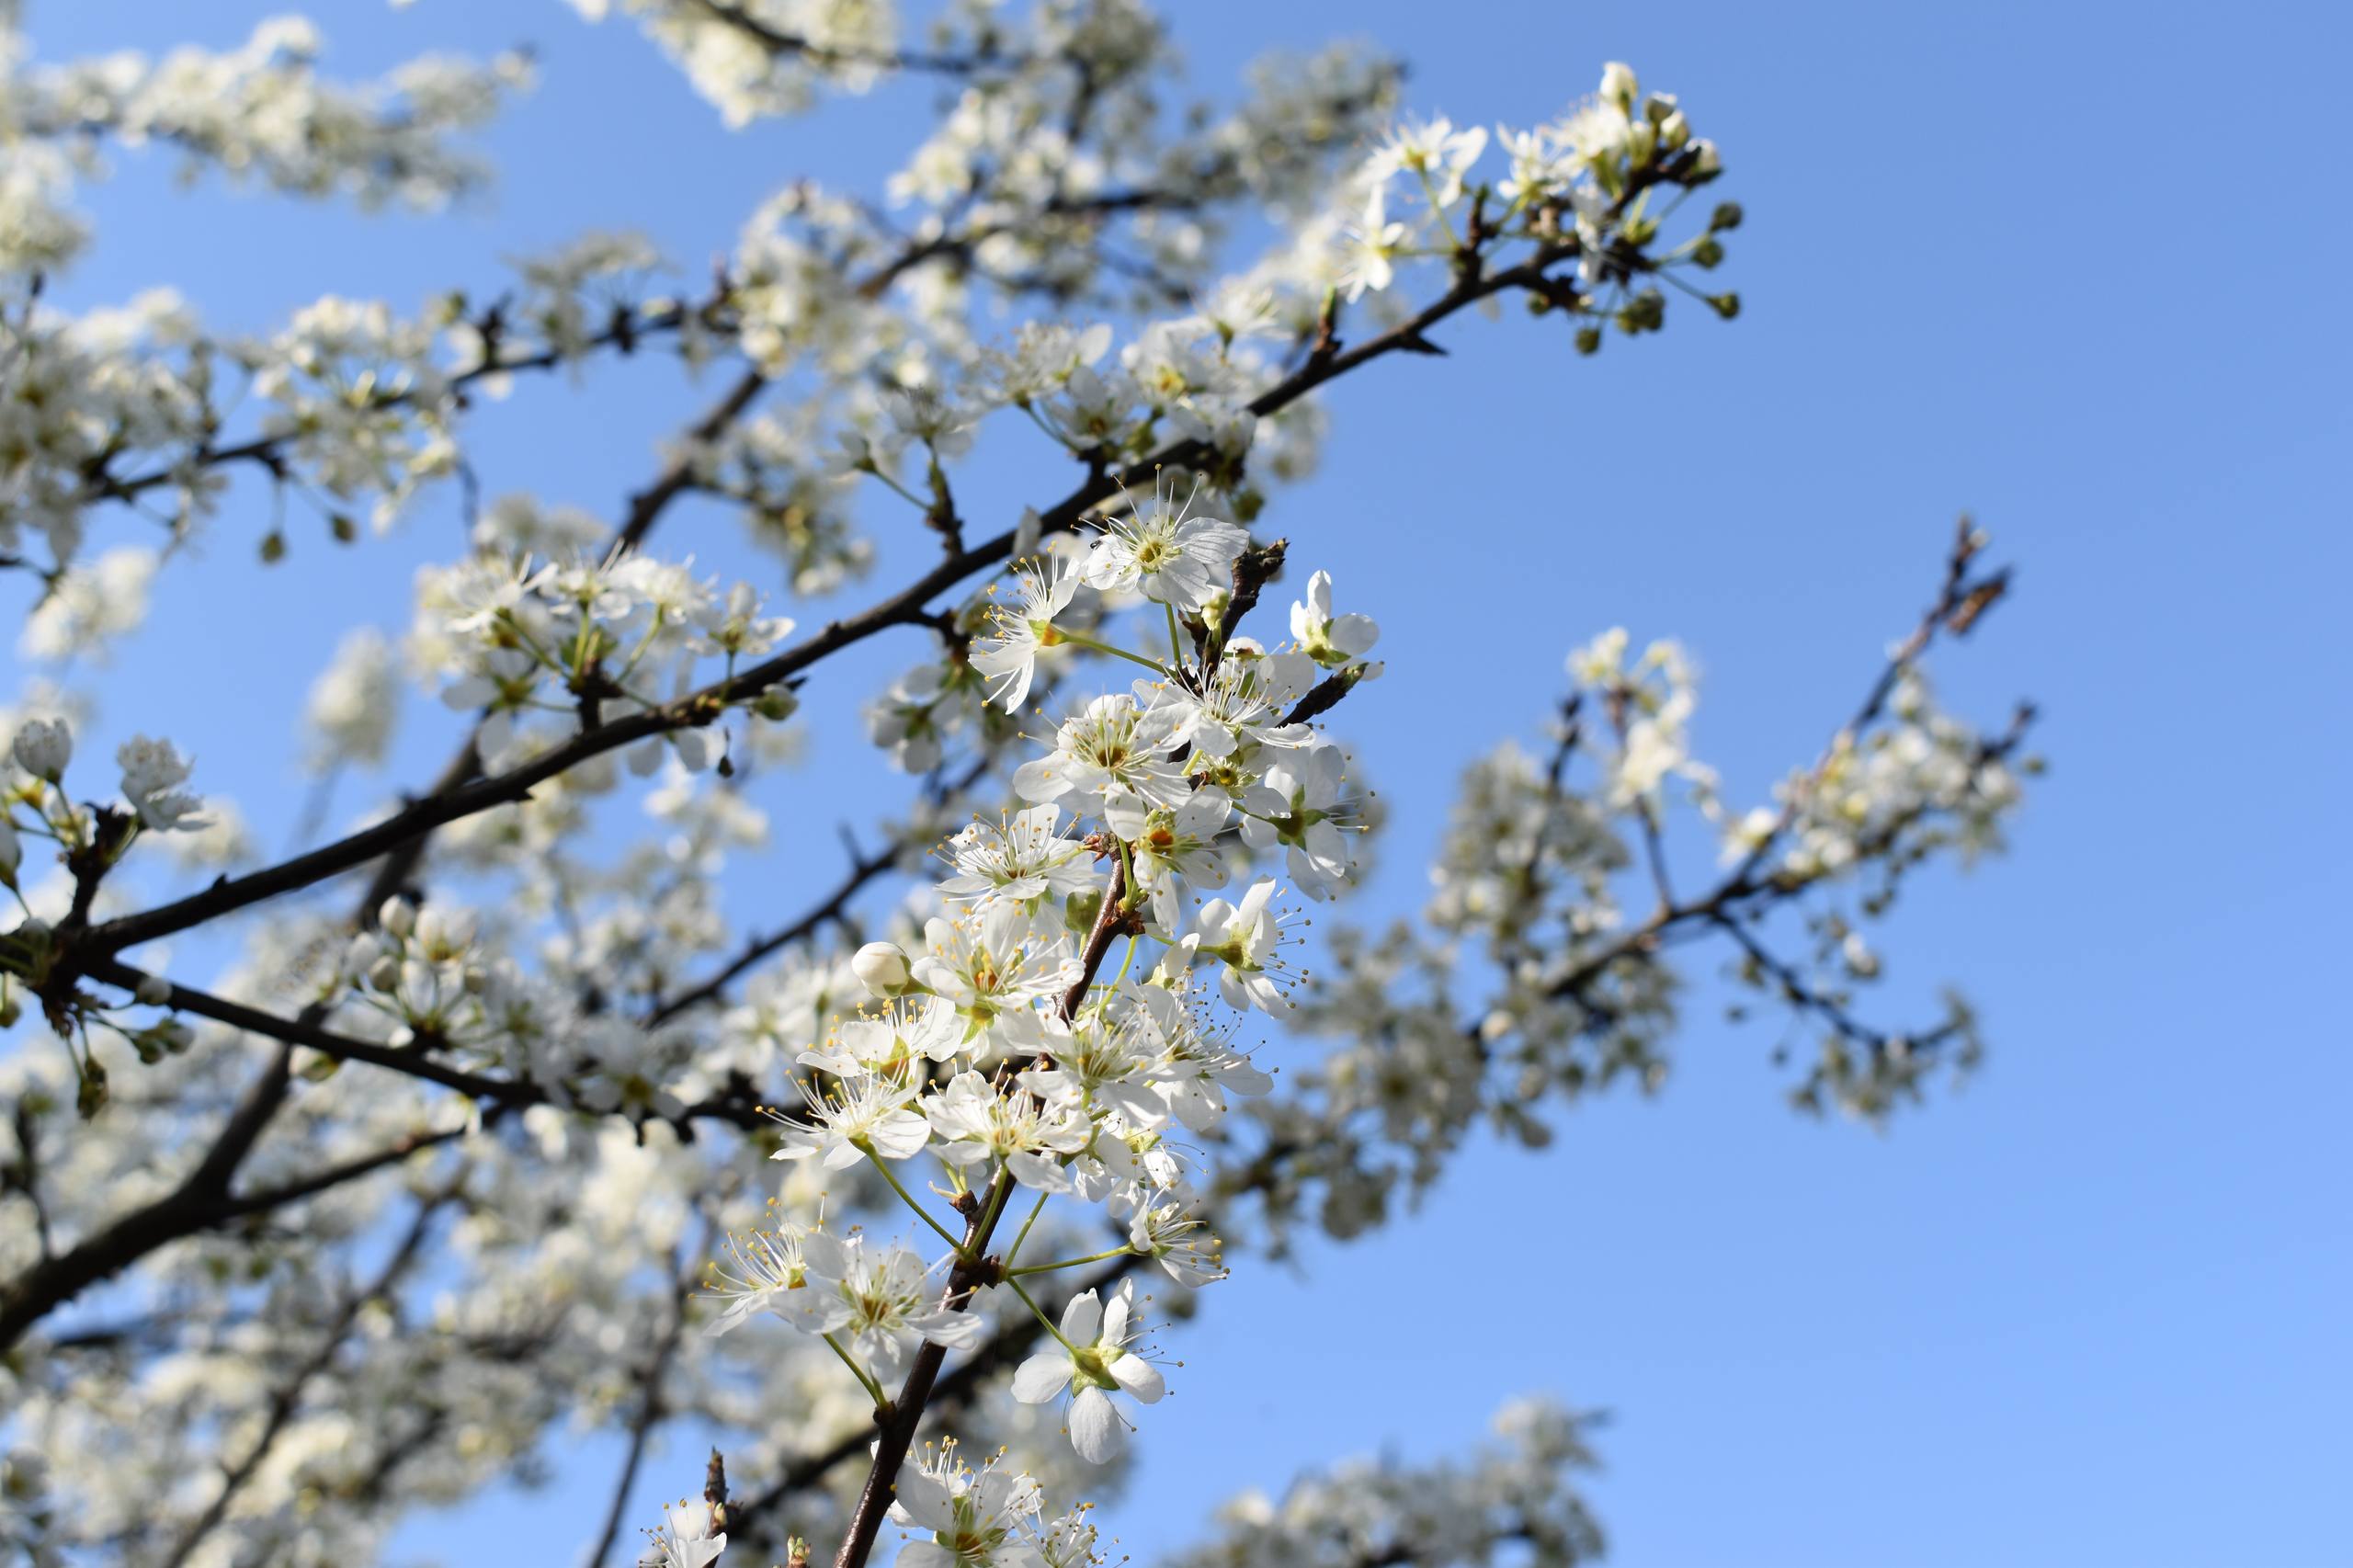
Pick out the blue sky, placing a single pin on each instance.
(2071, 268)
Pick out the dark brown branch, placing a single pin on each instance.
(187, 1209)
(626, 330)
(511, 1094)
(777, 42)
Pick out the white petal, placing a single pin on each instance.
(924, 1500)
(1096, 1429)
(1041, 1377)
(925, 1555)
(1140, 1377)
(1083, 1319)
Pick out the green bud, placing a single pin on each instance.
(776, 705)
(91, 1098)
(1589, 340)
(342, 527)
(273, 547)
(1708, 252)
(1727, 305)
(1727, 215)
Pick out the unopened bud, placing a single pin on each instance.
(43, 747)
(91, 1098)
(397, 917)
(1727, 215)
(881, 968)
(776, 705)
(1618, 85)
(1727, 305)
(1707, 252)
(153, 990)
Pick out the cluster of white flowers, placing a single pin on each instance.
(73, 394)
(259, 111)
(1581, 182)
(34, 775)
(1007, 1046)
(1511, 1498)
(422, 1181)
(545, 647)
(1891, 797)
(992, 1517)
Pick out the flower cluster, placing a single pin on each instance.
(1513, 1495)
(990, 1517)
(260, 112)
(413, 1183)
(1006, 1046)
(543, 647)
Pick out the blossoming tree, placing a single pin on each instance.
(514, 1129)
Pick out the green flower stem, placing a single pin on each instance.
(921, 1212)
(1080, 640)
(1050, 1325)
(1014, 1250)
(1011, 1274)
(873, 1387)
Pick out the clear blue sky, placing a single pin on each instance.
(2075, 267)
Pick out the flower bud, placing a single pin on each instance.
(91, 1098)
(1727, 215)
(43, 747)
(1618, 84)
(881, 968)
(12, 853)
(776, 705)
(153, 990)
(397, 917)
